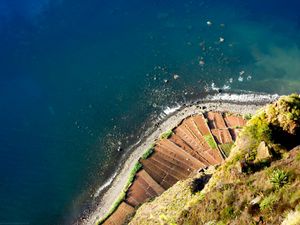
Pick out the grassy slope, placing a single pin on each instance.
(271, 184)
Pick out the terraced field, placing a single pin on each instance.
(198, 142)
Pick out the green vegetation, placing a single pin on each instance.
(134, 170)
(211, 141)
(166, 134)
(259, 183)
(228, 213)
(226, 148)
(279, 178)
(268, 202)
(148, 152)
(285, 113)
(122, 195)
(247, 116)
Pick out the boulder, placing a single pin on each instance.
(263, 152)
(256, 200)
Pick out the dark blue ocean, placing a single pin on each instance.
(78, 78)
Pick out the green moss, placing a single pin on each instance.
(148, 152)
(166, 134)
(210, 141)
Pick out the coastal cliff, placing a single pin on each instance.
(258, 183)
(216, 163)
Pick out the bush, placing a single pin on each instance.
(279, 178)
(268, 202)
(148, 152)
(228, 213)
(247, 116)
(259, 129)
(167, 134)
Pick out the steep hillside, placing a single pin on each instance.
(197, 142)
(258, 184)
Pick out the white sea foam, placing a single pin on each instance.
(243, 97)
(225, 86)
(105, 185)
(214, 87)
(168, 110)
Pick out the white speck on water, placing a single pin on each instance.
(201, 62)
(176, 76)
(240, 79)
(221, 39)
(209, 23)
(249, 77)
(242, 72)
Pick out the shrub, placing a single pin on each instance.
(259, 129)
(247, 116)
(279, 178)
(166, 134)
(268, 202)
(228, 213)
(148, 152)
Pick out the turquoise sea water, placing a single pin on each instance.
(77, 77)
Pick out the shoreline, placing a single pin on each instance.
(246, 105)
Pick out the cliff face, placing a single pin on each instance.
(259, 183)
